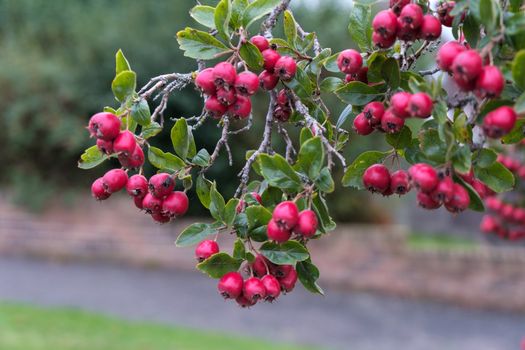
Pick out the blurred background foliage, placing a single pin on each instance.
(56, 69)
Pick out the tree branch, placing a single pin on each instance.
(271, 21)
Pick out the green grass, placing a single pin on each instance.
(24, 327)
(439, 242)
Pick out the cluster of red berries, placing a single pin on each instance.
(513, 165)
(283, 107)
(286, 219)
(466, 67)
(105, 127)
(267, 282)
(434, 188)
(406, 22)
(505, 220)
(275, 66)
(402, 105)
(350, 62)
(156, 196)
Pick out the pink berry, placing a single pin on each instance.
(104, 126)
(374, 112)
(160, 218)
(420, 105)
(260, 265)
(267, 80)
(399, 182)
(161, 185)
(125, 143)
(98, 190)
(288, 282)
(444, 190)
(399, 103)
(175, 204)
(205, 249)
(349, 61)
(443, 11)
(151, 204)
(244, 302)
(115, 180)
(362, 125)
(215, 107)
(137, 186)
(230, 285)
(246, 83)
(205, 81)
(391, 122)
(285, 68)
(385, 24)
(447, 53)
(430, 28)
(307, 223)
(224, 74)
(424, 177)
(467, 66)
(270, 59)
(376, 178)
(272, 287)
(397, 5)
(382, 42)
(499, 122)
(105, 146)
(226, 97)
(277, 233)
(286, 215)
(261, 42)
(490, 83)
(411, 17)
(425, 201)
(253, 289)
(460, 200)
(242, 107)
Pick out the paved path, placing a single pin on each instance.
(338, 321)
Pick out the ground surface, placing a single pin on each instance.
(30, 328)
(338, 321)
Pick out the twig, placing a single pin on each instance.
(290, 150)
(271, 21)
(244, 128)
(429, 72)
(223, 141)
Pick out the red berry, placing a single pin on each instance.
(135, 160)
(383, 42)
(175, 204)
(499, 122)
(281, 271)
(160, 218)
(226, 97)
(488, 224)
(374, 112)
(288, 282)
(214, 107)
(277, 233)
(411, 17)
(105, 146)
(115, 180)
(125, 143)
(253, 289)
(241, 108)
(399, 182)
(244, 302)
(270, 59)
(362, 75)
(307, 223)
(230, 285)
(376, 178)
(138, 202)
(385, 24)
(151, 204)
(467, 66)
(261, 42)
(224, 74)
(397, 5)
(260, 265)
(399, 103)
(480, 188)
(430, 28)
(420, 105)
(137, 186)
(285, 68)
(98, 190)
(205, 249)
(391, 122)
(460, 200)
(407, 33)
(349, 61)
(424, 177)
(267, 80)
(286, 215)
(362, 125)
(257, 197)
(104, 126)
(494, 203)
(447, 53)
(205, 81)
(425, 201)
(507, 211)
(160, 185)
(443, 12)
(519, 215)
(444, 190)
(490, 82)
(272, 287)
(246, 83)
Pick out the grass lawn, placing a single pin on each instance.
(439, 242)
(24, 327)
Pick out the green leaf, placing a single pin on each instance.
(180, 138)
(238, 7)
(230, 210)
(91, 158)
(496, 176)
(222, 18)
(290, 27)
(305, 135)
(519, 107)
(140, 112)
(488, 12)
(251, 55)
(360, 27)
(516, 134)
(151, 130)
(165, 161)
(330, 63)
(316, 64)
(485, 157)
(257, 9)
(217, 204)
(219, 264)
(325, 182)
(432, 146)
(279, 173)
(287, 253)
(321, 209)
(124, 85)
(515, 24)
(330, 84)
(257, 216)
(204, 15)
(121, 63)
(462, 159)
(344, 116)
(401, 139)
(357, 93)
(239, 251)
(195, 233)
(353, 176)
(308, 274)
(202, 158)
(390, 72)
(440, 112)
(518, 69)
(203, 190)
(471, 30)
(310, 158)
(301, 84)
(200, 45)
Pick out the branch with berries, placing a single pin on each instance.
(446, 128)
